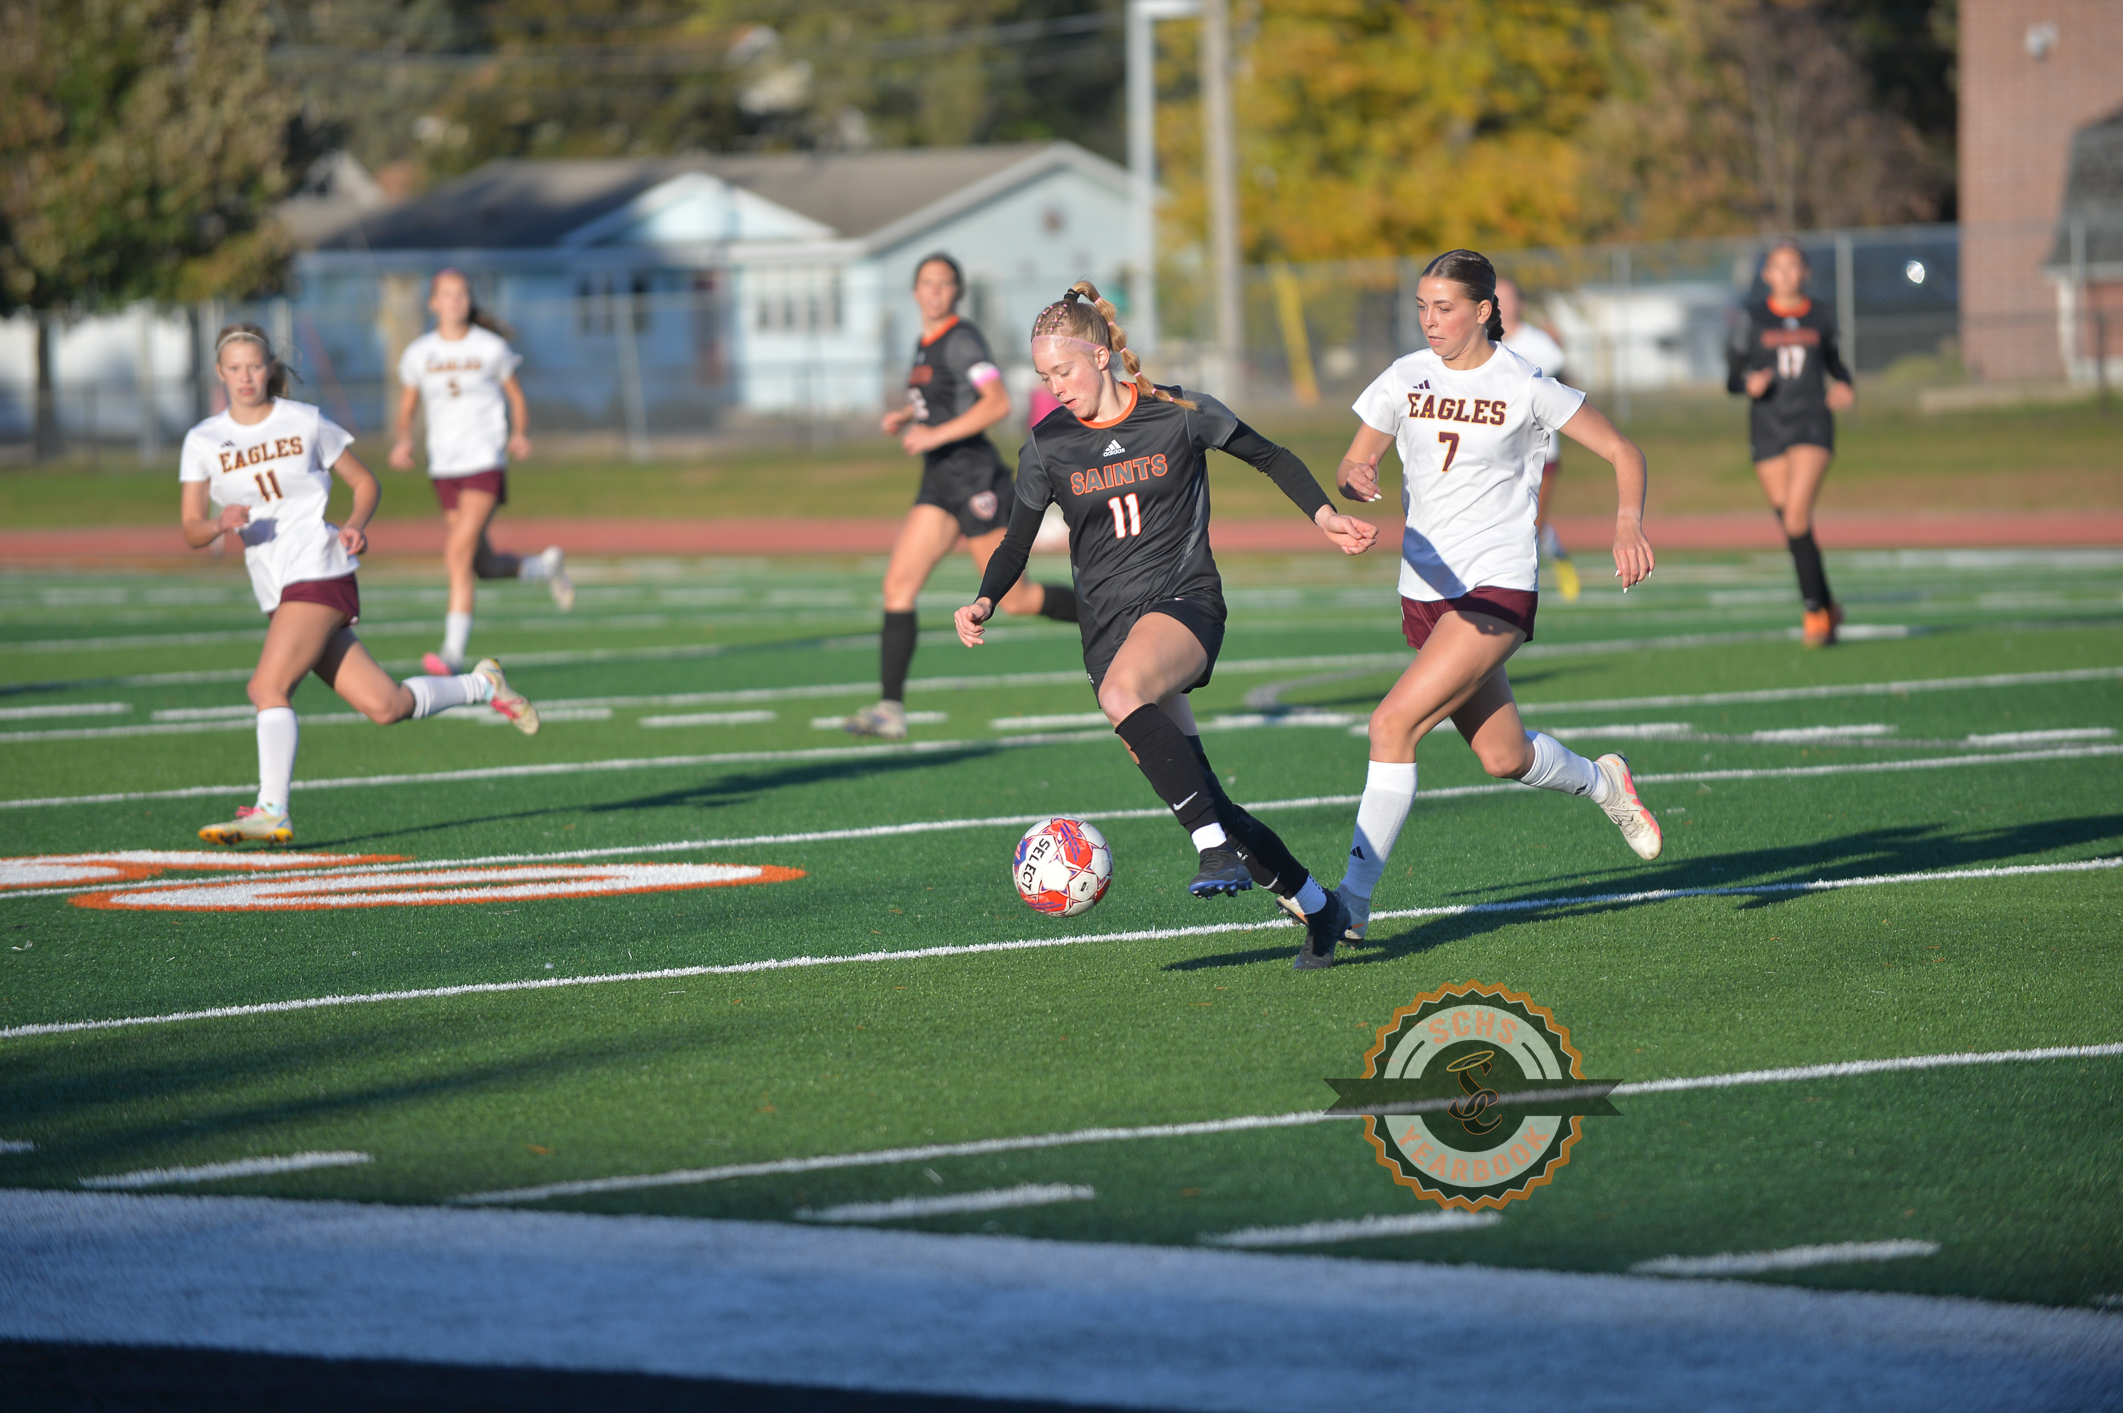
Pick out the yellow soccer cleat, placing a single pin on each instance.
(252, 823)
(1566, 579)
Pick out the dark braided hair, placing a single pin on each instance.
(1083, 314)
(1471, 271)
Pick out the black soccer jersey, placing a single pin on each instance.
(950, 368)
(1802, 349)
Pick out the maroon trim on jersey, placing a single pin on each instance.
(1513, 606)
(495, 483)
(341, 593)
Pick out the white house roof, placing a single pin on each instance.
(878, 198)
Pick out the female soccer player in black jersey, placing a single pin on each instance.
(1783, 356)
(954, 394)
(1124, 461)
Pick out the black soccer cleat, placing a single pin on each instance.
(1322, 930)
(1223, 870)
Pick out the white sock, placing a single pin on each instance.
(533, 568)
(456, 635)
(1310, 898)
(1389, 793)
(1552, 544)
(1557, 767)
(433, 694)
(278, 735)
(1209, 836)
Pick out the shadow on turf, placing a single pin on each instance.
(715, 794)
(1905, 849)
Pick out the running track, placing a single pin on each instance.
(1747, 531)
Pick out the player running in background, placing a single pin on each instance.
(268, 463)
(463, 373)
(1783, 356)
(955, 393)
(1539, 347)
(1468, 417)
(1125, 462)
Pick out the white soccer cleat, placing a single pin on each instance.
(556, 577)
(1638, 825)
(887, 721)
(506, 700)
(1359, 913)
(251, 824)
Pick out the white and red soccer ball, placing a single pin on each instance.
(1063, 867)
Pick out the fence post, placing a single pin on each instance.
(1620, 335)
(2078, 294)
(144, 384)
(1408, 325)
(631, 400)
(1847, 299)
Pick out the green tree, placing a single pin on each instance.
(144, 143)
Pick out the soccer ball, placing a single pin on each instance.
(1063, 867)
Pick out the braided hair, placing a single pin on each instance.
(1083, 314)
(1471, 271)
(276, 372)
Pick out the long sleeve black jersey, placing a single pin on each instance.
(1800, 347)
(1135, 494)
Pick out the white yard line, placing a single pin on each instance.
(1855, 689)
(1151, 934)
(884, 1157)
(707, 718)
(1360, 1229)
(995, 1200)
(216, 1172)
(33, 713)
(1790, 1258)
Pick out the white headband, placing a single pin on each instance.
(234, 334)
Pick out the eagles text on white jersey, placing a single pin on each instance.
(280, 470)
(1470, 466)
(460, 389)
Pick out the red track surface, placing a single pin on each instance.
(1754, 531)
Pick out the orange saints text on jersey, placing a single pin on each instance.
(1118, 473)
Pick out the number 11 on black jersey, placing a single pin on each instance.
(1127, 516)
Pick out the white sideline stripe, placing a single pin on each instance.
(1790, 1258)
(1856, 689)
(1822, 733)
(1362, 1228)
(245, 722)
(707, 718)
(17, 1145)
(2034, 738)
(914, 718)
(883, 1157)
(1000, 743)
(995, 1200)
(30, 713)
(1048, 723)
(215, 1172)
(214, 713)
(1148, 934)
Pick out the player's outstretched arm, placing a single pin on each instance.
(1633, 560)
(1005, 567)
(1282, 466)
(519, 419)
(1357, 477)
(969, 620)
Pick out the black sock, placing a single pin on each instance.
(895, 653)
(1813, 580)
(1059, 604)
(1162, 755)
(1268, 858)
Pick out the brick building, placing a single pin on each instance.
(2032, 74)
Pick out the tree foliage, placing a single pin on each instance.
(144, 143)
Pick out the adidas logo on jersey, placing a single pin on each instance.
(1113, 448)
(1420, 386)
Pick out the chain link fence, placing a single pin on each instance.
(635, 368)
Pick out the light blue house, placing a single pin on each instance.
(668, 294)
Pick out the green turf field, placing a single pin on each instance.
(680, 699)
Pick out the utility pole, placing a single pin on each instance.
(1143, 16)
(1221, 159)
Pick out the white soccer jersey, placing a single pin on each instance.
(1470, 476)
(1534, 344)
(460, 387)
(281, 471)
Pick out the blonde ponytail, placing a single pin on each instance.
(1088, 317)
